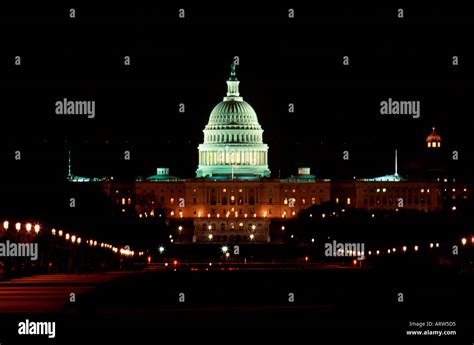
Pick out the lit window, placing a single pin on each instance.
(123, 201)
(224, 190)
(172, 213)
(348, 201)
(285, 201)
(172, 200)
(337, 200)
(429, 144)
(439, 144)
(313, 200)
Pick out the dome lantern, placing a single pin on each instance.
(233, 86)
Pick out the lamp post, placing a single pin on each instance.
(5, 227)
(180, 230)
(18, 228)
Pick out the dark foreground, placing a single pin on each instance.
(336, 306)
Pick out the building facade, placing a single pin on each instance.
(233, 198)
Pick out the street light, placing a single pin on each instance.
(6, 225)
(210, 237)
(60, 233)
(252, 236)
(463, 241)
(161, 249)
(28, 227)
(37, 228)
(18, 226)
(225, 249)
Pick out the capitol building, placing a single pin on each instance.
(233, 197)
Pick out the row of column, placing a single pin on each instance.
(233, 157)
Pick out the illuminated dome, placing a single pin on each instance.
(433, 140)
(233, 139)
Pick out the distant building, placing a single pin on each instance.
(433, 140)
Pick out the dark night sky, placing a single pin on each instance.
(187, 61)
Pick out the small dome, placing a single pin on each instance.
(434, 139)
